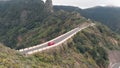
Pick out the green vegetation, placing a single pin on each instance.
(18, 17)
(86, 49)
(66, 58)
(106, 15)
(27, 26)
(95, 42)
(25, 23)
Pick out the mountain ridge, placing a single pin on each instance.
(25, 23)
(105, 14)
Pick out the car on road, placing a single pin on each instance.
(51, 43)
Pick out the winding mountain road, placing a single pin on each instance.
(59, 40)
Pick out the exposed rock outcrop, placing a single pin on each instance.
(49, 5)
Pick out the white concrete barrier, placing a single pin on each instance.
(46, 48)
(31, 52)
(25, 49)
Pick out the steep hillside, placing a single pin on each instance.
(67, 8)
(53, 26)
(23, 24)
(10, 58)
(86, 49)
(109, 16)
(18, 17)
(95, 42)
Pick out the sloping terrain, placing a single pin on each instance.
(66, 8)
(87, 49)
(109, 16)
(10, 58)
(114, 57)
(18, 17)
(23, 24)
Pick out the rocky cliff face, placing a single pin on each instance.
(114, 57)
(49, 5)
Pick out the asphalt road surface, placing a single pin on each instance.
(56, 40)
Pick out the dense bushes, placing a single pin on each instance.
(27, 23)
(95, 42)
